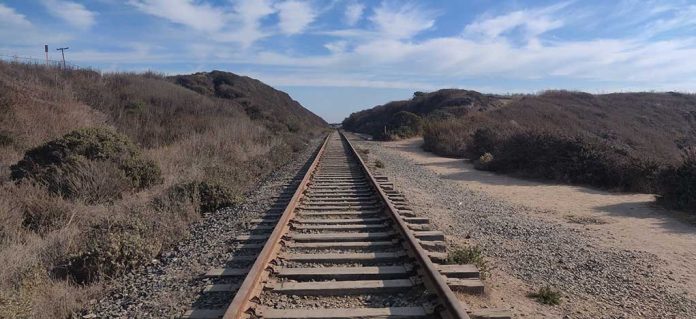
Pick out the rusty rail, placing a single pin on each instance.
(432, 278)
(252, 283)
(448, 305)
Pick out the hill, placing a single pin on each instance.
(622, 141)
(274, 109)
(382, 121)
(653, 126)
(658, 126)
(100, 172)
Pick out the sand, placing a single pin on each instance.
(618, 220)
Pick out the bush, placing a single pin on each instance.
(404, 125)
(113, 248)
(446, 137)
(574, 160)
(547, 295)
(677, 184)
(483, 141)
(92, 164)
(206, 196)
(484, 161)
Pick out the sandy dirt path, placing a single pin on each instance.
(627, 221)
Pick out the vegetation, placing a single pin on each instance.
(560, 158)
(547, 295)
(401, 119)
(74, 166)
(677, 184)
(101, 172)
(620, 141)
(379, 164)
(469, 255)
(404, 125)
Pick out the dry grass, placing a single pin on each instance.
(58, 252)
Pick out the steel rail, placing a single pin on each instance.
(252, 283)
(432, 277)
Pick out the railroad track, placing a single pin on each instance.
(345, 245)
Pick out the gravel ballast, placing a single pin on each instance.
(596, 281)
(172, 283)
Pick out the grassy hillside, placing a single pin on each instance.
(263, 104)
(399, 119)
(100, 172)
(622, 141)
(655, 126)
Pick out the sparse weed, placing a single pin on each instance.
(469, 255)
(547, 295)
(379, 164)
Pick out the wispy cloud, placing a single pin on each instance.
(72, 13)
(17, 33)
(354, 12)
(248, 28)
(199, 16)
(10, 18)
(398, 20)
(531, 23)
(294, 16)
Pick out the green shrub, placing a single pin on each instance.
(547, 295)
(92, 164)
(574, 160)
(677, 184)
(483, 141)
(404, 124)
(215, 196)
(469, 255)
(112, 248)
(204, 196)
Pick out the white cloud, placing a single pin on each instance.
(682, 18)
(248, 15)
(532, 22)
(199, 16)
(294, 16)
(19, 36)
(354, 12)
(401, 21)
(10, 18)
(337, 46)
(73, 13)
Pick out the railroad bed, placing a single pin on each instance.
(344, 244)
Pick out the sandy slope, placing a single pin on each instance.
(626, 221)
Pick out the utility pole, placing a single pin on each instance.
(62, 51)
(46, 51)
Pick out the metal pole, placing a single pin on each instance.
(46, 51)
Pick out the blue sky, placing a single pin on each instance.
(339, 56)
